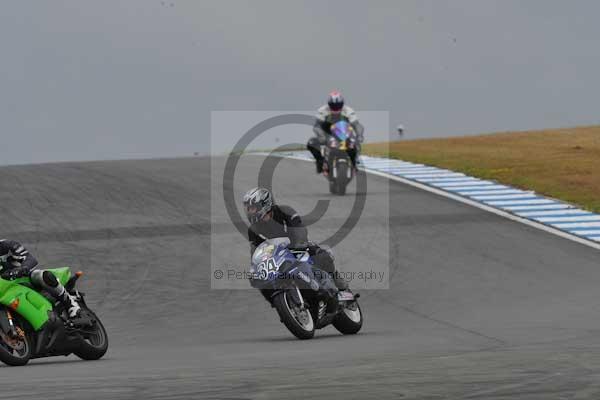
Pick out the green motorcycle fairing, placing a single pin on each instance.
(33, 306)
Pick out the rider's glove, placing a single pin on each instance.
(299, 246)
(12, 274)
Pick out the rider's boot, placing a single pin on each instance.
(324, 259)
(47, 281)
(340, 283)
(353, 154)
(70, 303)
(356, 164)
(332, 302)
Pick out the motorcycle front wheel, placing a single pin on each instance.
(15, 351)
(298, 321)
(341, 179)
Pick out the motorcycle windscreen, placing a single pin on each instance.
(341, 130)
(268, 257)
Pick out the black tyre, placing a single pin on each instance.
(332, 187)
(95, 343)
(349, 320)
(341, 189)
(341, 180)
(300, 323)
(16, 351)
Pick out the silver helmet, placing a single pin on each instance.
(257, 203)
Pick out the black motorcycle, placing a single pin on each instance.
(337, 164)
(304, 296)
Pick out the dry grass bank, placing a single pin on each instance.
(561, 163)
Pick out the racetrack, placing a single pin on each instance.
(477, 307)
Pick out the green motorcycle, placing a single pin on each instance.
(34, 325)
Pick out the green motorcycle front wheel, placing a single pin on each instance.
(15, 351)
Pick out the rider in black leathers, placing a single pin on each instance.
(20, 263)
(269, 220)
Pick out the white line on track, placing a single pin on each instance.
(504, 196)
(587, 232)
(456, 185)
(433, 175)
(531, 214)
(568, 225)
(493, 210)
(580, 218)
(479, 187)
(518, 202)
(447, 180)
(493, 191)
(401, 170)
(393, 165)
(538, 207)
(482, 206)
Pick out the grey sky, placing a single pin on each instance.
(85, 80)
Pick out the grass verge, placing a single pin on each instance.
(560, 163)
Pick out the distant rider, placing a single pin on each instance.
(334, 111)
(269, 220)
(18, 262)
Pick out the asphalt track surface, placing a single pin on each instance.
(478, 307)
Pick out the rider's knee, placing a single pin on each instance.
(44, 278)
(313, 143)
(49, 279)
(324, 260)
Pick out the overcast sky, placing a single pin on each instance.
(84, 80)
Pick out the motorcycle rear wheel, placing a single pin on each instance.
(349, 321)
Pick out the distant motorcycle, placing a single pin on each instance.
(337, 165)
(34, 325)
(299, 291)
